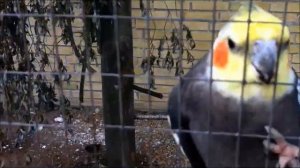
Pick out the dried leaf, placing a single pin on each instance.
(190, 57)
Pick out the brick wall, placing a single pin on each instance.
(199, 17)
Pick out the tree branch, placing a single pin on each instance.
(147, 91)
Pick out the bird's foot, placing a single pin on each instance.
(288, 153)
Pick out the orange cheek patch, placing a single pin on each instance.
(220, 58)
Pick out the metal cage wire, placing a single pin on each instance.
(148, 18)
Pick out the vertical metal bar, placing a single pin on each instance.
(88, 54)
(26, 54)
(180, 57)
(275, 79)
(88, 42)
(5, 73)
(60, 75)
(60, 83)
(148, 19)
(211, 80)
(120, 83)
(148, 55)
(30, 74)
(243, 82)
(298, 139)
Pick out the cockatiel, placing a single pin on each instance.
(252, 85)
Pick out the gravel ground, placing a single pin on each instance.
(56, 147)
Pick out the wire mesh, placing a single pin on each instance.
(169, 37)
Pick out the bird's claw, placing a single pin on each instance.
(274, 133)
(288, 153)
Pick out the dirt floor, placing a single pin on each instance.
(56, 147)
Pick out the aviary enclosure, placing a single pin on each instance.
(85, 83)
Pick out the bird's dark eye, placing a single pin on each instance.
(283, 44)
(231, 44)
(286, 44)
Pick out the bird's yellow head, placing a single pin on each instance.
(249, 48)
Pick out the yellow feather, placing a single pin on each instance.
(263, 26)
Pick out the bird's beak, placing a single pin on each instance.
(264, 57)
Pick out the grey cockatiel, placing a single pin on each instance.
(246, 60)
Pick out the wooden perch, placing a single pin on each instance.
(147, 91)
